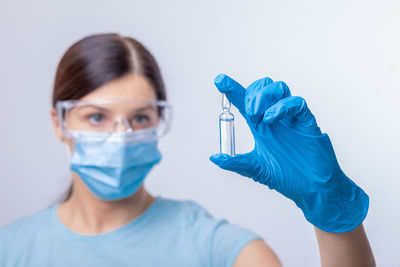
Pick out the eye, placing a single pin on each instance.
(96, 118)
(141, 119)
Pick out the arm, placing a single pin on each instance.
(349, 249)
(292, 156)
(257, 254)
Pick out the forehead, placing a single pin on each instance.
(129, 87)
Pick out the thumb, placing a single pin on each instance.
(243, 164)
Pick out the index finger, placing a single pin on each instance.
(233, 91)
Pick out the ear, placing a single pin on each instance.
(56, 125)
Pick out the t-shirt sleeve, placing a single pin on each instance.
(218, 241)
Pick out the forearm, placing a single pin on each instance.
(345, 249)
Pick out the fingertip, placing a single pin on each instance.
(260, 83)
(219, 158)
(285, 88)
(271, 115)
(224, 83)
(267, 80)
(219, 78)
(268, 119)
(213, 157)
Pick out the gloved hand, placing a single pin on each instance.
(292, 156)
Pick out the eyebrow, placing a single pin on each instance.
(144, 108)
(94, 106)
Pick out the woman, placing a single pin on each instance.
(109, 108)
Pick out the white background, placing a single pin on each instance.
(341, 56)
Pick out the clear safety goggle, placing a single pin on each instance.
(108, 116)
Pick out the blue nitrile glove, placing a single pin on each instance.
(292, 156)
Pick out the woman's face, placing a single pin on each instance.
(129, 87)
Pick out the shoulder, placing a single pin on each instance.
(24, 228)
(27, 222)
(217, 240)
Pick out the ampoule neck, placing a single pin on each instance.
(226, 105)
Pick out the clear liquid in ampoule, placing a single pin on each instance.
(226, 128)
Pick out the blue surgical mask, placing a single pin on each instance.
(114, 166)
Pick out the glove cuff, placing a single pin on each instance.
(337, 210)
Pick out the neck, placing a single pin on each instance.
(85, 214)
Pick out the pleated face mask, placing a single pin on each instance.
(114, 166)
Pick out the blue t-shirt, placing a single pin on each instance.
(168, 233)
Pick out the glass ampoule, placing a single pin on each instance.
(226, 128)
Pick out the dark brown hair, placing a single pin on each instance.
(98, 59)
